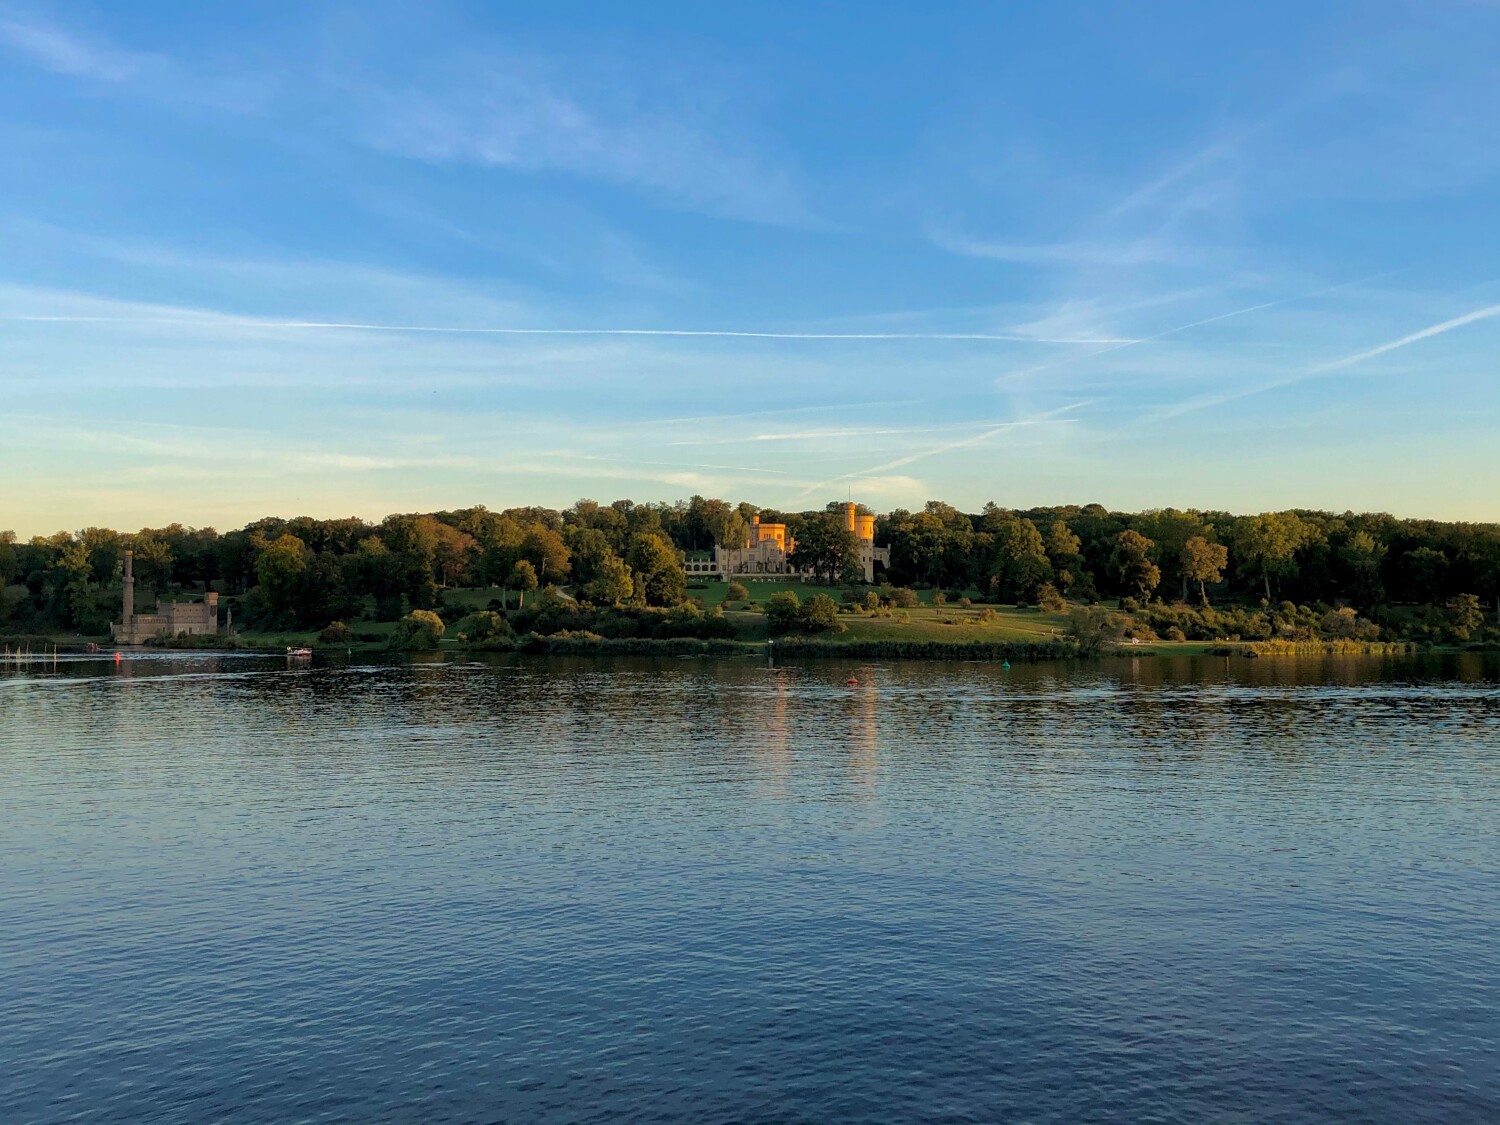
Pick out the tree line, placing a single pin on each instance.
(305, 573)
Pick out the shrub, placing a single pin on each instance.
(1176, 634)
(486, 625)
(783, 612)
(337, 633)
(736, 592)
(965, 602)
(872, 601)
(419, 630)
(819, 615)
(1091, 628)
(1049, 599)
(939, 598)
(903, 598)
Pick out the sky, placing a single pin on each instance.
(283, 259)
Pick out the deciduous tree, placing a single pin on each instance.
(1132, 565)
(1203, 562)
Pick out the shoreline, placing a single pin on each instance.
(789, 647)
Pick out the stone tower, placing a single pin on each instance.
(127, 601)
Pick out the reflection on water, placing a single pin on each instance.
(524, 890)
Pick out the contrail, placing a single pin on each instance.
(1191, 406)
(1433, 330)
(360, 326)
(1122, 344)
(946, 447)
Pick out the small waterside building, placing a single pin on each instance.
(171, 619)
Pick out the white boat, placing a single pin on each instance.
(299, 653)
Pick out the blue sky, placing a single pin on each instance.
(284, 259)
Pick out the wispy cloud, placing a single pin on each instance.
(66, 53)
(1082, 252)
(528, 112)
(1200, 323)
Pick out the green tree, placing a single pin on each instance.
(589, 547)
(10, 561)
(105, 553)
(660, 579)
(1203, 562)
(152, 560)
(1362, 556)
(1020, 567)
(1063, 553)
(1265, 546)
(454, 552)
(1465, 615)
(522, 579)
(371, 569)
(783, 612)
(1132, 565)
(547, 553)
(1422, 573)
(612, 582)
(70, 579)
(826, 548)
(1170, 529)
(279, 570)
(818, 614)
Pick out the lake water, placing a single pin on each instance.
(695, 891)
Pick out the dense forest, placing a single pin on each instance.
(1185, 573)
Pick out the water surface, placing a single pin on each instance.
(695, 891)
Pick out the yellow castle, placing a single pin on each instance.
(765, 554)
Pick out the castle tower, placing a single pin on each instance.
(127, 599)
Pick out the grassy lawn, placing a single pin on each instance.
(479, 597)
(925, 623)
(712, 593)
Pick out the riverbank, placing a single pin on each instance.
(837, 647)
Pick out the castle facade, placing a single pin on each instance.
(766, 553)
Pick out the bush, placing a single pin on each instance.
(337, 633)
(482, 627)
(819, 615)
(1050, 600)
(904, 598)
(418, 631)
(736, 592)
(939, 598)
(783, 612)
(1092, 628)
